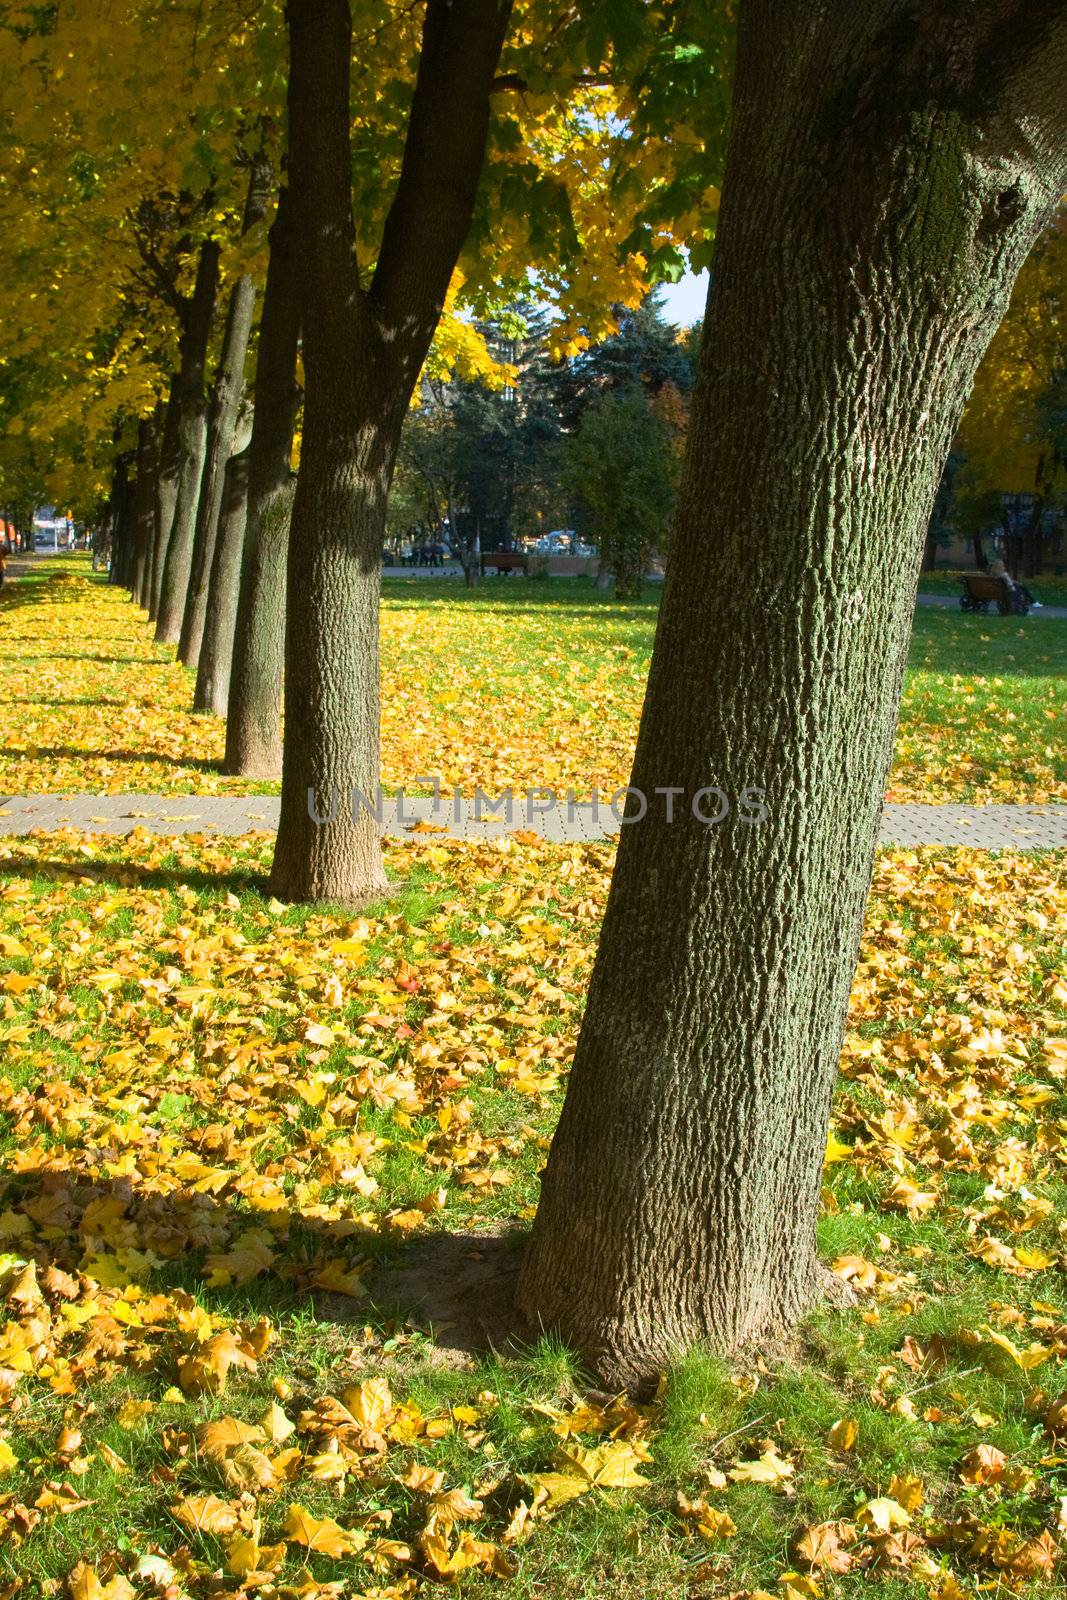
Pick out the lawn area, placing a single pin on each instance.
(521, 683)
(240, 1136)
(1050, 589)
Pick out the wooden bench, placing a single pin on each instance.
(980, 590)
(503, 561)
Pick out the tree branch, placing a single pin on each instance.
(584, 80)
(431, 212)
(320, 172)
(157, 278)
(1019, 37)
(1021, 78)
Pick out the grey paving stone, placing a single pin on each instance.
(1009, 827)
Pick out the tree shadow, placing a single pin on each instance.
(72, 700)
(130, 875)
(110, 661)
(137, 757)
(457, 1287)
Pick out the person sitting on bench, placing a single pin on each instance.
(999, 570)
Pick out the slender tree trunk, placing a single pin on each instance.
(216, 650)
(629, 570)
(929, 560)
(1032, 541)
(225, 405)
(253, 711)
(980, 559)
(363, 351)
(166, 495)
(145, 512)
(122, 497)
(111, 516)
(192, 437)
(1013, 547)
(878, 203)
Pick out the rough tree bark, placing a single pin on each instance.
(216, 650)
(363, 351)
(166, 495)
(253, 710)
(226, 395)
(890, 165)
(192, 436)
(145, 523)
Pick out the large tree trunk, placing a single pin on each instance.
(145, 526)
(253, 710)
(363, 351)
(192, 438)
(878, 202)
(216, 651)
(225, 404)
(167, 478)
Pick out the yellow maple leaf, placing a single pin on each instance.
(370, 1402)
(217, 1439)
(767, 1468)
(245, 1555)
(206, 1513)
(882, 1515)
(322, 1535)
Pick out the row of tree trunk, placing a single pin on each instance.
(888, 171)
(198, 517)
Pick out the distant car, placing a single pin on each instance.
(561, 542)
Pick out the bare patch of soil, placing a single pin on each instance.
(459, 1288)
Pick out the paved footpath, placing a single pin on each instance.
(951, 602)
(1022, 827)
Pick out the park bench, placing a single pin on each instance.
(979, 590)
(503, 561)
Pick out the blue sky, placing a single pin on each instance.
(683, 302)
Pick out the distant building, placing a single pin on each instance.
(52, 530)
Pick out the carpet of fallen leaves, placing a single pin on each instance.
(511, 685)
(222, 1117)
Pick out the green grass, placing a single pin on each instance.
(980, 940)
(515, 682)
(710, 1414)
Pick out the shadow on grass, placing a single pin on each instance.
(128, 875)
(73, 700)
(456, 1287)
(103, 660)
(945, 642)
(137, 757)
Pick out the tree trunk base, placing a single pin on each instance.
(629, 1354)
(350, 881)
(268, 770)
(349, 904)
(257, 758)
